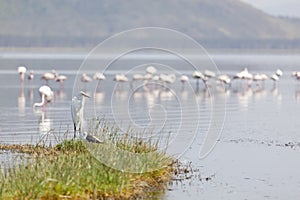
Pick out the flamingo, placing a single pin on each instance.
(85, 78)
(209, 74)
(244, 75)
(30, 75)
(279, 73)
(137, 77)
(151, 70)
(22, 70)
(296, 75)
(259, 77)
(167, 78)
(275, 77)
(99, 76)
(61, 79)
(47, 96)
(120, 78)
(224, 79)
(198, 75)
(183, 80)
(49, 76)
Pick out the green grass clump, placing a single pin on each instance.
(70, 170)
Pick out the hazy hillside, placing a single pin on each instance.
(85, 23)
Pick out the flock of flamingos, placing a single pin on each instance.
(152, 75)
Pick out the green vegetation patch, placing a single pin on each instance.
(70, 170)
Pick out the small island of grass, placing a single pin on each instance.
(70, 170)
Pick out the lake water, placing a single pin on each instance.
(256, 156)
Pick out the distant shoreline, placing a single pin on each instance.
(88, 49)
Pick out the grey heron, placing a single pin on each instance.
(77, 111)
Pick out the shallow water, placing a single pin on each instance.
(257, 153)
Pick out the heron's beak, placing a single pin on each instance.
(85, 94)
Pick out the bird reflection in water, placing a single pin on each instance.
(297, 93)
(45, 123)
(21, 99)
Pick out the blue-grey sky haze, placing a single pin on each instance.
(289, 8)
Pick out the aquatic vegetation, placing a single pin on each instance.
(71, 170)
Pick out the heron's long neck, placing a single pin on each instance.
(81, 119)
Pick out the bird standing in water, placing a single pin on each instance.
(47, 96)
(77, 111)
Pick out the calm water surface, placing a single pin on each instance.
(256, 157)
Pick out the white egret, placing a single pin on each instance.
(47, 96)
(77, 111)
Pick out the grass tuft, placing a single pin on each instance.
(70, 170)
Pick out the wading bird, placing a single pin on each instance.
(85, 78)
(99, 76)
(61, 79)
(49, 76)
(30, 75)
(151, 70)
(22, 70)
(77, 111)
(224, 79)
(184, 79)
(47, 96)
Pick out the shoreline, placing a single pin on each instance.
(89, 49)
